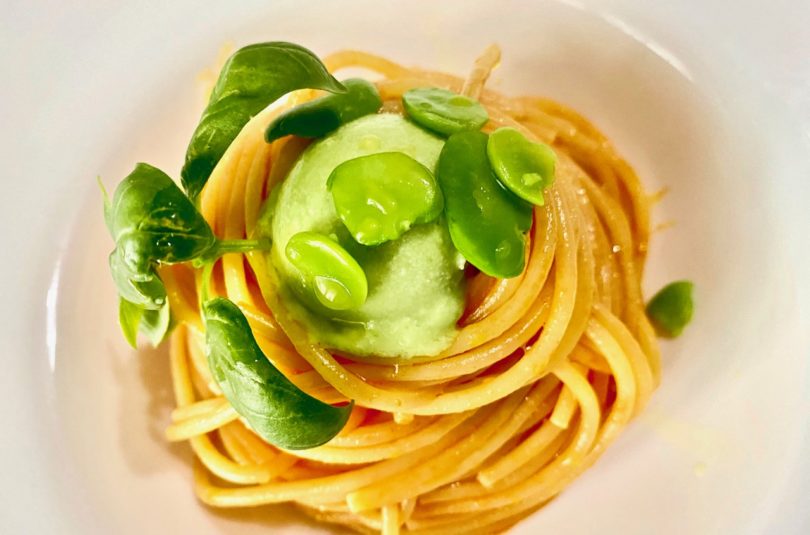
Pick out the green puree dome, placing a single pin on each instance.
(415, 283)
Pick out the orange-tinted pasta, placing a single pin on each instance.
(547, 369)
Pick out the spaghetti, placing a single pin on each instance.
(546, 371)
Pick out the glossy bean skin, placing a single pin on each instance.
(525, 167)
(443, 111)
(276, 409)
(487, 223)
(380, 196)
(318, 117)
(328, 272)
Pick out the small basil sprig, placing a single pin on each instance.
(274, 407)
(253, 77)
(151, 220)
(153, 223)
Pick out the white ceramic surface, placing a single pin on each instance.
(710, 101)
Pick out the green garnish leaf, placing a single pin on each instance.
(380, 196)
(129, 318)
(156, 324)
(275, 408)
(153, 221)
(526, 168)
(327, 271)
(144, 289)
(671, 309)
(443, 111)
(323, 115)
(254, 77)
(487, 223)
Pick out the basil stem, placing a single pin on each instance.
(253, 77)
(275, 408)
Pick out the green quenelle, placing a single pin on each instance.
(415, 283)
(443, 111)
(328, 271)
(253, 77)
(671, 309)
(280, 412)
(487, 223)
(320, 116)
(523, 166)
(380, 196)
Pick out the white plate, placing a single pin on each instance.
(712, 102)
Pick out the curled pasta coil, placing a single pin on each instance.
(547, 369)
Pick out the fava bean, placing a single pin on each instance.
(523, 166)
(671, 309)
(443, 111)
(487, 223)
(380, 196)
(328, 271)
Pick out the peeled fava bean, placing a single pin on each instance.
(525, 167)
(487, 222)
(380, 196)
(443, 111)
(328, 271)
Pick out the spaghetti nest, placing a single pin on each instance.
(547, 369)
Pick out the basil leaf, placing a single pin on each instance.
(143, 289)
(153, 221)
(253, 77)
(129, 318)
(156, 324)
(274, 407)
(318, 117)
